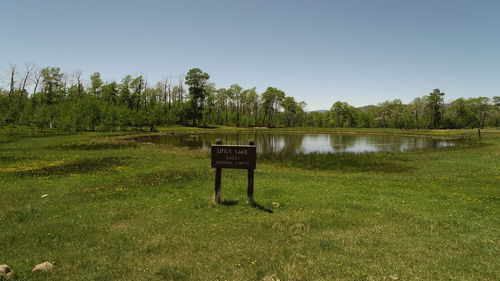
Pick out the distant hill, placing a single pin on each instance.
(366, 107)
(320, 111)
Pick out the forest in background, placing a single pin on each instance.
(49, 98)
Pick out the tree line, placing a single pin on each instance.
(426, 112)
(48, 98)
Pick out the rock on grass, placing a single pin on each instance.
(5, 270)
(43, 266)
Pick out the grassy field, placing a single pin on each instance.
(101, 208)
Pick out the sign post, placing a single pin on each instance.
(250, 179)
(234, 157)
(218, 175)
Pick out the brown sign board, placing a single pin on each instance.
(233, 156)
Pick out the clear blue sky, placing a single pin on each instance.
(362, 52)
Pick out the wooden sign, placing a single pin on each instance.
(234, 157)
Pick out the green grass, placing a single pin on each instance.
(121, 211)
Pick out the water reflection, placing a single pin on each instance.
(293, 143)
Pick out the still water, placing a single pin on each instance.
(295, 143)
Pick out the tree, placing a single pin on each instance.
(342, 115)
(136, 85)
(434, 105)
(290, 108)
(364, 118)
(317, 119)
(90, 112)
(271, 100)
(220, 104)
(4, 108)
(44, 116)
(196, 80)
(460, 113)
(209, 102)
(480, 108)
(252, 105)
(96, 85)
(237, 94)
(496, 111)
(417, 107)
(53, 85)
(166, 86)
(110, 93)
(397, 109)
(496, 102)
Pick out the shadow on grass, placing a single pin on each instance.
(229, 202)
(260, 207)
(234, 202)
(94, 146)
(366, 162)
(81, 166)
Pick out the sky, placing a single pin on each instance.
(361, 52)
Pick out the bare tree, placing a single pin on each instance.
(145, 93)
(181, 87)
(67, 78)
(29, 69)
(12, 76)
(79, 86)
(167, 91)
(37, 75)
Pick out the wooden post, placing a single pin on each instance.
(250, 180)
(218, 173)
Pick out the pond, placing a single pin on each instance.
(298, 143)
